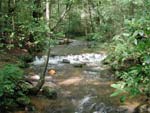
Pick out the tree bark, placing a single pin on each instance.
(40, 83)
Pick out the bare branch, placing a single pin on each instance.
(62, 16)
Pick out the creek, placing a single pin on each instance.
(82, 82)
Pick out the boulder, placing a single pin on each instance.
(95, 69)
(51, 72)
(34, 77)
(79, 65)
(65, 41)
(49, 92)
(66, 61)
(24, 100)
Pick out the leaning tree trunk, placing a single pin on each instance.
(41, 82)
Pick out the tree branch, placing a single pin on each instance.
(62, 17)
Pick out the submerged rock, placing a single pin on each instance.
(79, 64)
(94, 69)
(66, 61)
(90, 73)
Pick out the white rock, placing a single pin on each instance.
(35, 77)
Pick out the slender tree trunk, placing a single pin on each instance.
(58, 7)
(86, 27)
(40, 83)
(85, 19)
(47, 14)
(13, 16)
(1, 8)
(1, 24)
(98, 18)
(68, 7)
(90, 16)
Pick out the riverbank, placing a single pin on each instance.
(81, 80)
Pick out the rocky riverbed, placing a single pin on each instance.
(81, 80)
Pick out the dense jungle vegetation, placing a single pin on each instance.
(28, 27)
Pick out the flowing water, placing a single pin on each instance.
(83, 83)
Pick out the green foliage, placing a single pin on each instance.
(13, 89)
(94, 37)
(125, 22)
(11, 72)
(22, 29)
(36, 33)
(74, 26)
(49, 92)
(131, 57)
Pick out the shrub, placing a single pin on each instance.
(131, 58)
(13, 89)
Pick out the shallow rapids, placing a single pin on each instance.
(82, 81)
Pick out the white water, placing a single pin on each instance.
(87, 58)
